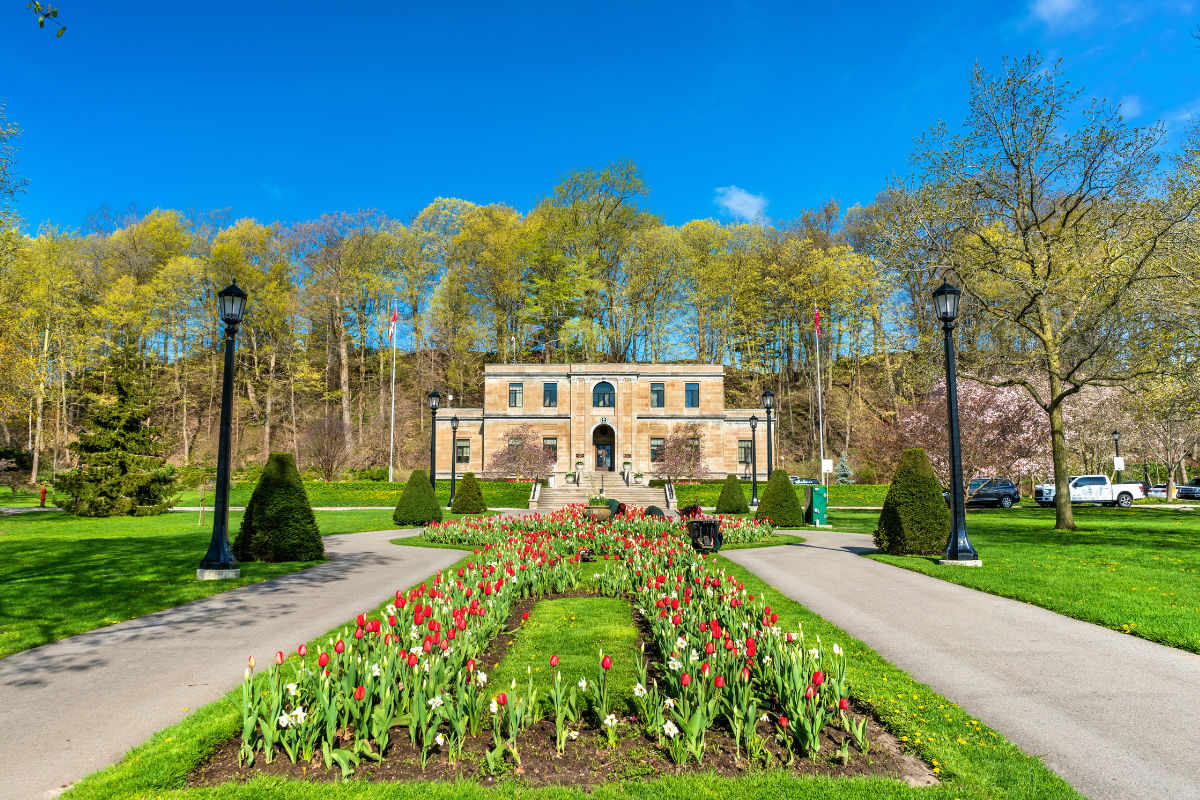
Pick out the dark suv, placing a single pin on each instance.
(1188, 491)
(991, 492)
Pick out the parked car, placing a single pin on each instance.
(1158, 490)
(1188, 491)
(1092, 489)
(798, 481)
(990, 492)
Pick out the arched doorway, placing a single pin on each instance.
(604, 439)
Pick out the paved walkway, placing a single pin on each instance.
(71, 707)
(1114, 715)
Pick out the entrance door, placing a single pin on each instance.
(604, 458)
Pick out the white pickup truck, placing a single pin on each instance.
(1092, 489)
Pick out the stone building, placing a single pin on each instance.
(602, 415)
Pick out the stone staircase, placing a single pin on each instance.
(560, 496)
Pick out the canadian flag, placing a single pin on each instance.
(818, 322)
(392, 325)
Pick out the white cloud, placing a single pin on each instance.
(740, 203)
(1053, 12)
(1131, 106)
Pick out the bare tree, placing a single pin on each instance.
(325, 445)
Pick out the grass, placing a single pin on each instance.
(23, 499)
(378, 494)
(975, 762)
(706, 494)
(63, 575)
(1131, 571)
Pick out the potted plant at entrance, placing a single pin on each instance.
(637, 477)
(626, 466)
(597, 508)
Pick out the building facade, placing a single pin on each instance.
(602, 415)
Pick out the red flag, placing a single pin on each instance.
(818, 322)
(392, 325)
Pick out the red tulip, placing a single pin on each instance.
(810, 693)
(302, 650)
(362, 620)
(387, 639)
(360, 693)
(445, 645)
(606, 663)
(676, 620)
(471, 665)
(250, 661)
(525, 615)
(745, 674)
(427, 645)
(358, 633)
(708, 648)
(502, 699)
(340, 647)
(774, 618)
(818, 678)
(323, 661)
(704, 669)
(412, 659)
(554, 661)
(783, 722)
(719, 681)
(279, 658)
(418, 618)
(729, 644)
(392, 620)
(686, 679)
(843, 704)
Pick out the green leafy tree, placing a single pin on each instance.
(279, 524)
(468, 497)
(120, 470)
(915, 519)
(779, 502)
(418, 505)
(732, 499)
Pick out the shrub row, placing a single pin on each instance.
(496, 494)
(707, 494)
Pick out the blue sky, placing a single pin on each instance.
(283, 111)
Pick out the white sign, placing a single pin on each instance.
(826, 465)
(1119, 462)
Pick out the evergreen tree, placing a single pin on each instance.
(842, 471)
(468, 497)
(779, 502)
(733, 498)
(915, 519)
(279, 524)
(120, 470)
(418, 505)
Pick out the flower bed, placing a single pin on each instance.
(717, 658)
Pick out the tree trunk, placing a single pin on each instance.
(344, 374)
(269, 403)
(1064, 517)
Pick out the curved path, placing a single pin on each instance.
(1114, 715)
(74, 706)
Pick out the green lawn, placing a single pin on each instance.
(24, 498)
(497, 494)
(974, 761)
(63, 575)
(1133, 571)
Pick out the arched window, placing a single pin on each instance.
(604, 395)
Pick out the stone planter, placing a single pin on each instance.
(637, 479)
(597, 513)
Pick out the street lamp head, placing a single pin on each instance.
(454, 423)
(753, 422)
(945, 302)
(768, 399)
(435, 400)
(1116, 436)
(231, 304)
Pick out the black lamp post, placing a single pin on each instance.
(958, 544)
(768, 401)
(435, 400)
(219, 562)
(754, 459)
(1117, 448)
(453, 454)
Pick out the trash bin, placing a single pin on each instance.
(816, 511)
(705, 534)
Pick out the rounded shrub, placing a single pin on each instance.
(914, 520)
(468, 497)
(279, 524)
(779, 502)
(732, 499)
(418, 505)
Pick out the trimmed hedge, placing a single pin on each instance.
(732, 499)
(779, 503)
(279, 524)
(418, 505)
(468, 499)
(496, 494)
(915, 520)
(707, 495)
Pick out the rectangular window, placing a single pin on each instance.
(550, 445)
(743, 451)
(691, 395)
(549, 395)
(516, 398)
(658, 395)
(462, 451)
(656, 449)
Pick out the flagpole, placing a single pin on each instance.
(820, 401)
(392, 442)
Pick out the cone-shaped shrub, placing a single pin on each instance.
(418, 505)
(279, 524)
(915, 519)
(779, 502)
(468, 497)
(732, 499)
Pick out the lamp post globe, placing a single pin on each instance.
(768, 402)
(435, 400)
(218, 562)
(453, 454)
(754, 460)
(958, 545)
(1117, 450)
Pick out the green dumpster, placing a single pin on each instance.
(815, 511)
